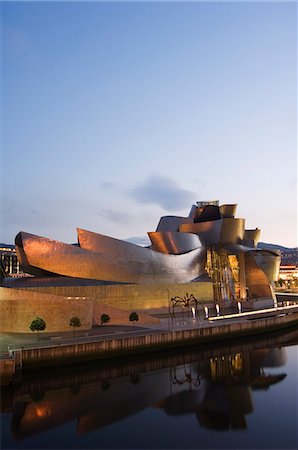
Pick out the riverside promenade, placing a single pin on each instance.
(100, 343)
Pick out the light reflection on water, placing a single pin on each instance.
(237, 396)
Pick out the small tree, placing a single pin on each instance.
(104, 318)
(133, 317)
(37, 324)
(74, 323)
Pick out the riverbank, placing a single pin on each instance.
(137, 341)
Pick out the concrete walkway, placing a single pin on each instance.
(26, 340)
(106, 332)
(34, 339)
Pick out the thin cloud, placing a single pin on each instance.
(107, 185)
(164, 192)
(16, 39)
(17, 209)
(115, 216)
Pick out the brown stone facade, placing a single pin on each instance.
(57, 304)
(19, 307)
(134, 296)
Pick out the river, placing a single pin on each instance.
(242, 395)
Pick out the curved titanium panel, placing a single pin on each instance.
(173, 242)
(100, 243)
(217, 232)
(235, 249)
(148, 266)
(269, 262)
(172, 223)
(26, 267)
(192, 211)
(256, 279)
(251, 237)
(206, 213)
(232, 231)
(228, 211)
(209, 231)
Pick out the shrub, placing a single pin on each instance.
(37, 324)
(74, 323)
(104, 318)
(133, 317)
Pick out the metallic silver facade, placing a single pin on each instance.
(145, 266)
(178, 254)
(172, 223)
(228, 211)
(173, 242)
(217, 232)
(252, 237)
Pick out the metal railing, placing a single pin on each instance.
(82, 339)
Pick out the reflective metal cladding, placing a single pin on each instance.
(173, 242)
(178, 254)
(122, 264)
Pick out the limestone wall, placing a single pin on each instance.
(56, 305)
(19, 307)
(134, 296)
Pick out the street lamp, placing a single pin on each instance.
(169, 308)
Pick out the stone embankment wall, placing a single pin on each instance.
(134, 296)
(7, 371)
(19, 307)
(65, 354)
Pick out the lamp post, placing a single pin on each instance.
(193, 312)
(217, 309)
(169, 309)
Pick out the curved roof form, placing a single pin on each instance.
(148, 266)
(173, 242)
(252, 237)
(221, 231)
(100, 243)
(172, 223)
(269, 262)
(228, 210)
(178, 253)
(207, 212)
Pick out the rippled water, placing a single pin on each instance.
(241, 396)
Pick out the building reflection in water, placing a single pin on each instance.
(216, 386)
(224, 387)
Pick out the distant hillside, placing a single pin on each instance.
(275, 247)
(143, 241)
(7, 245)
(289, 256)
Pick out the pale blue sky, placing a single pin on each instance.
(114, 114)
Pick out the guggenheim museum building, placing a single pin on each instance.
(209, 254)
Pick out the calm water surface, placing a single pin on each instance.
(241, 396)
